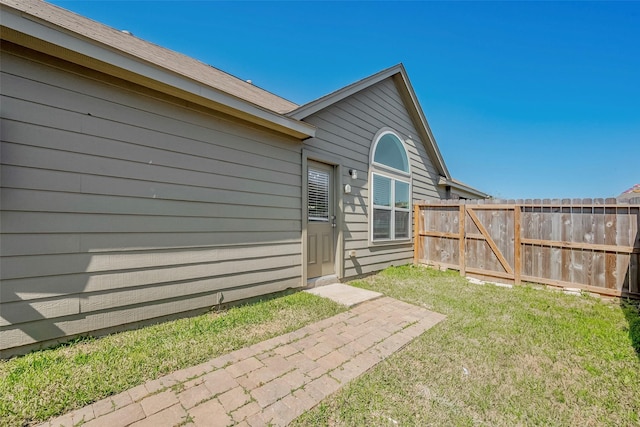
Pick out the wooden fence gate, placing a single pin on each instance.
(587, 244)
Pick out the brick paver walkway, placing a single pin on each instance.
(271, 382)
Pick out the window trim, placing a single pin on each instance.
(388, 168)
(394, 175)
(392, 208)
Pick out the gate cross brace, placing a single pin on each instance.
(490, 241)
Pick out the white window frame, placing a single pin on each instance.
(394, 175)
(393, 209)
(382, 165)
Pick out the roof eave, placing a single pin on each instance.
(321, 103)
(416, 111)
(444, 181)
(397, 71)
(37, 34)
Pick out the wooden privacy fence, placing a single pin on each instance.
(581, 243)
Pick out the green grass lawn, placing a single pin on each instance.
(47, 383)
(503, 357)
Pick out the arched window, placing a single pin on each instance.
(389, 151)
(390, 189)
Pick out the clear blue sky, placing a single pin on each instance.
(526, 100)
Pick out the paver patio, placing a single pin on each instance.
(269, 383)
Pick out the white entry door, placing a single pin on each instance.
(321, 220)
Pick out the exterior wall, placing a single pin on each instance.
(346, 130)
(119, 206)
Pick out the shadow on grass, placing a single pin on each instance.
(631, 310)
(224, 306)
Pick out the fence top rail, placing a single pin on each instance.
(537, 203)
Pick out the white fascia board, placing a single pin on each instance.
(38, 29)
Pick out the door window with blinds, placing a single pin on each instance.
(390, 189)
(318, 203)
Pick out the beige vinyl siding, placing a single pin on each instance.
(120, 206)
(346, 129)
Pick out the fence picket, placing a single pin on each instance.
(584, 243)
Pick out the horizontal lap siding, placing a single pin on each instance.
(118, 207)
(346, 129)
(47, 330)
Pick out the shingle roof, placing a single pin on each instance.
(154, 54)
(631, 193)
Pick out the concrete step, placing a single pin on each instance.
(344, 294)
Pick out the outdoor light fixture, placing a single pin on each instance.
(353, 173)
(347, 188)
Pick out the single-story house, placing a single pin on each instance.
(139, 184)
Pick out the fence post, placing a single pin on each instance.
(416, 234)
(517, 244)
(462, 256)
